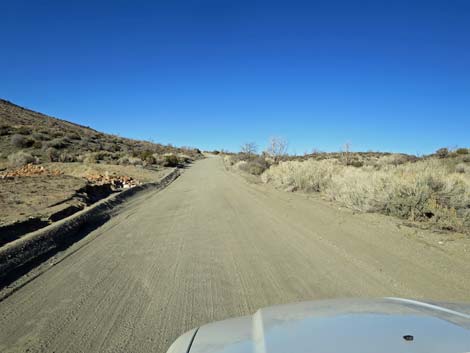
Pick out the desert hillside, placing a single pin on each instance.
(51, 168)
(27, 136)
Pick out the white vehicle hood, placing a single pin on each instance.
(388, 325)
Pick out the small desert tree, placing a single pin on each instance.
(346, 153)
(249, 148)
(442, 152)
(277, 148)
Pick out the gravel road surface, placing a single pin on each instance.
(211, 246)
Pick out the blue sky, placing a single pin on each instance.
(383, 75)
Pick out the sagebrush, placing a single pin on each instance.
(427, 190)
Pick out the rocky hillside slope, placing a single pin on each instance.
(28, 136)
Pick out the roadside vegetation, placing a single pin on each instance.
(51, 168)
(30, 137)
(433, 189)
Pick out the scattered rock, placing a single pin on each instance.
(116, 182)
(29, 170)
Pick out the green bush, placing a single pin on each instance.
(171, 161)
(461, 151)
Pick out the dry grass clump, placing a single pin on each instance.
(21, 141)
(462, 168)
(427, 190)
(59, 143)
(229, 160)
(130, 160)
(309, 175)
(20, 158)
(392, 159)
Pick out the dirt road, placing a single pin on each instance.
(211, 246)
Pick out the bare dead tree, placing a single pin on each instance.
(249, 148)
(346, 153)
(316, 151)
(277, 148)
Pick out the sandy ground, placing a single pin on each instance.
(85, 169)
(26, 197)
(36, 196)
(212, 246)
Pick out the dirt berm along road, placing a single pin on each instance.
(211, 246)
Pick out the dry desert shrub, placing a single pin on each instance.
(309, 175)
(462, 151)
(240, 165)
(20, 158)
(58, 143)
(171, 161)
(39, 136)
(427, 190)
(248, 163)
(89, 158)
(229, 160)
(52, 154)
(254, 166)
(462, 168)
(21, 141)
(4, 130)
(392, 159)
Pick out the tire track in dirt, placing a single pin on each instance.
(211, 246)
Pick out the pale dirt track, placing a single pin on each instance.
(211, 246)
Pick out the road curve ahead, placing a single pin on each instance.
(212, 246)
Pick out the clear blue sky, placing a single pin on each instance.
(384, 75)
